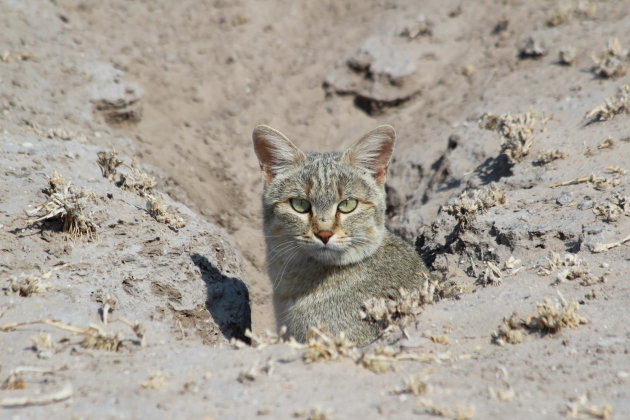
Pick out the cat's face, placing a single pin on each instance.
(325, 206)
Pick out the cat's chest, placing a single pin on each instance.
(310, 279)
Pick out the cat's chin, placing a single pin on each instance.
(340, 256)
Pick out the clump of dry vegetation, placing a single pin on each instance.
(399, 311)
(471, 203)
(567, 56)
(551, 317)
(516, 131)
(250, 374)
(610, 64)
(613, 208)
(582, 9)
(322, 346)
(93, 336)
(43, 345)
(34, 283)
(109, 163)
(532, 49)
(459, 413)
(156, 380)
(415, 385)
(68, 204)
(27, 286)
(137, 181)
(615, 105)
(549, 156)
(158, 210)
(134, 179)
(570, 268)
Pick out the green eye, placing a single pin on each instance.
(347, 206)
(300, 205)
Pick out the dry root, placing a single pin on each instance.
(597, 248)
(598, 182)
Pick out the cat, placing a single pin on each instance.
(328, 250)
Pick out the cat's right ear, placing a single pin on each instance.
(275, 151)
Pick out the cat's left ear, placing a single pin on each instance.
(373, 151)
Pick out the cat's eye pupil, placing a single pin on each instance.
(348, 205)
(300, 205)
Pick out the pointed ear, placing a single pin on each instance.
(373, 151)
(274, 151)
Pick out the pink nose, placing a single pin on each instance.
(324, 235)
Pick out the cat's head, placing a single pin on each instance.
(327, 206)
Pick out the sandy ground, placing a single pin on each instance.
(178, 86)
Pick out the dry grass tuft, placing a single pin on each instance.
(582, 9)
(34, 283)
(554, 316)
(615, 207)
(516, 130)
(156, 380)
(532, 49)
(610, 64)
(567, 56)
(137, 181)
(108, 162)
(460, 412)
(322, 346)
(415, 385)
(615, 105)
(13, 382)
(471, 203)
(94, 337)
(267, 338)
(549, 156)
(157, 209)
(551, 317)
(400, 310)
(68, 204)
(510, 332)
(43, 345)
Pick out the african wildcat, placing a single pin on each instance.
(328, 250)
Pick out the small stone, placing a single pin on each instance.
(564, 198)
(586, 204)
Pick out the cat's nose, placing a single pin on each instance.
(324, 235)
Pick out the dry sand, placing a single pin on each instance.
(178, 87)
